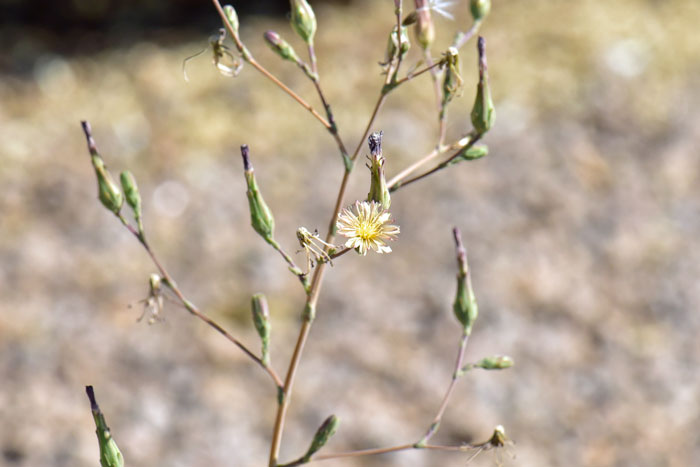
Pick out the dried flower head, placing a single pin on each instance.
(367, 225)
(153, 304)
(314, 247)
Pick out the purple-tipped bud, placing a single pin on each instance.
(281, 47)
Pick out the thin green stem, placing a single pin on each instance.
(249, 58)
(434, 426)
(474, 138)
(189, 306)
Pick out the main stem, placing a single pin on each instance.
(311, 301)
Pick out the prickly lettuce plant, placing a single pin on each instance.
(363, 226)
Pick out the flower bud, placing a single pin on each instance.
(378, 190)
(108, 191)
(470, 154)
(452, 83)
(425, 29)
(465, 307)
(261, 319)
(323, 434)
(231, 17)
(260, 215)
(480, 8)
(303, 20)
(396, 41)
(281, 47)
(483, 112)
(110, 456)
(497, 362)
(131, 193)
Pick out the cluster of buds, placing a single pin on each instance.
(108, 191)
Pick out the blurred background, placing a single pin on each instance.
(581, 225)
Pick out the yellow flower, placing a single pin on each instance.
(366, 225)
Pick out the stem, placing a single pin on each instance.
(189, 306)
(402, 447)
(264, 71)
(434, 426)
(340, 253)
(464, 38)
(312, 56)
(425, 159)
(474, 138)
(410, 76)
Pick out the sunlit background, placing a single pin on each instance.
(581, 226)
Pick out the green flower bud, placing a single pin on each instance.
(425, 29)
(378, 190)
(323, 434)
(110, 456)
(261, 319)
(303, 20)
(410, 19)
(231, 17)
(281, 47)
(395, 42)
(483, 113)
(480, 8)
(453, 82)
(465, 307)
(260, 215)
(108, 191)
(131, 193)
(497, 362)
(470, 154)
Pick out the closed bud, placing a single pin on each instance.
(131, 193)
(378, 190)
(231, 17)
(110, 456)
(260, 214)
(410, 19)
(108, 191)
(483, 113)
(261, 320)
(323, 434)
(470, 154)
(425, 29)
(465, 307)
(480, 8)
(281, 47)
(398, 43)
(303, 20)
(498, 362)
(452, 82)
